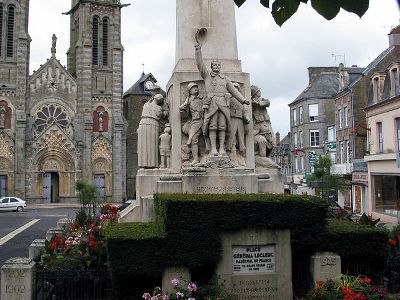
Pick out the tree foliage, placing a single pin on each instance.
(323, 179)
(87, 197)
(282, 10)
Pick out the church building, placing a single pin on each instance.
(59, 125)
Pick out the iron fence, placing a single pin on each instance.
(72, 284)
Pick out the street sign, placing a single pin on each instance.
(331, 147)
(312, 157)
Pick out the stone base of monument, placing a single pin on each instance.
(201, 180)
(257, 264)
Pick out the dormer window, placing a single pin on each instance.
(377, 86)
(313, 112)
(394, 81)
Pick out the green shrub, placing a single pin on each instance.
(187, 232)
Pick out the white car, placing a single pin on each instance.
(12, 203)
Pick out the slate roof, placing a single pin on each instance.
(139, 89)
(325, 86)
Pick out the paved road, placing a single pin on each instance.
(48, 216)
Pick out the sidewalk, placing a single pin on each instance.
(53, 205)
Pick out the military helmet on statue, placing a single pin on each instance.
(192, 84)
(254, 90)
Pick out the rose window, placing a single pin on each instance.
(48, 115)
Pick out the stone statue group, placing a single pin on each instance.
(219, 118)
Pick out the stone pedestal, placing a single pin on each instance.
(17, 279)
(37, 248)
(53, 232)
(325, 265)
(64, 224)
(257, 264)
(181, 273)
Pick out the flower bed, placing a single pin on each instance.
(347, 288)
(82, 246)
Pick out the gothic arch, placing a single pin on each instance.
(54, 160)
(102, 149)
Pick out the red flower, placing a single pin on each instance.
(53, 245)
(365, 280)
(393, 242)
(92, 244)
(320, 283)
(92, 225)
(91, 236)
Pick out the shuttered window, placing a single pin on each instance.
(95, 37)
(1, 29)
(10, 31)
(105, 41)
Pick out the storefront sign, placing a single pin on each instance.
(253, 259)
(363, 177)
(398, 159)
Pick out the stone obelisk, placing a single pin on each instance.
(218, 18)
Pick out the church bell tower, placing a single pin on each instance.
(95, 60)
(14, 73)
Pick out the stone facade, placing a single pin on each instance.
(351, 126)
(310, 113)
(383, 126)
(61, 125)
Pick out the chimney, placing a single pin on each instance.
(277, 138)
(394, 36)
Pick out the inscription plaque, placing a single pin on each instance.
(253, 288)
(253, 259)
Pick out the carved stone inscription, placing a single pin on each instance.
(15, 281)
(254, 288)
(253, 259)
(328, 260)
(220, 189)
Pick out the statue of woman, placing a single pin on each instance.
(149, 132)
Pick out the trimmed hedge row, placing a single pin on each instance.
(363, 248)
(187, 232)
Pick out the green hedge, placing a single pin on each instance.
(361, 245)
(187, 232)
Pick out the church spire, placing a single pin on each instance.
(53, 45)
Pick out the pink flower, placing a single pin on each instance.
(192, 287)
(165, 297)
(175, 281)
(179, 295)
(146, 296)
(154, 298)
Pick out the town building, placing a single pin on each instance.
(383, 126)
(282, 155)
(310, 113)
(61, 124)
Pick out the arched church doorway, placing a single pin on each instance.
(3, 186)
(51, 187)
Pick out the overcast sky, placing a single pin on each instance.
(276, 57)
